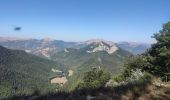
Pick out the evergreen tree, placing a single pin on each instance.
(157, 59)
(160, 53)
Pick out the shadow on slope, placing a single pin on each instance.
(130, 91)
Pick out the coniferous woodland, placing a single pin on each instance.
(23, 74)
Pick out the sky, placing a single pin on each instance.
(80, 20)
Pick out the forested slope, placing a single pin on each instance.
(22, 73)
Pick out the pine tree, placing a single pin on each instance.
(157, 59)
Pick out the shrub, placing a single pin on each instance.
(94, 79)
(135, 75)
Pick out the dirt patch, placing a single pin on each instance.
(59, 80)
(70, 72)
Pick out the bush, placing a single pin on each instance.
(94, 79)
(119, 78)
(135, 75)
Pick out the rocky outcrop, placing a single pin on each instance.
(101, 45)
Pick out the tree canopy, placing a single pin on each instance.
(157, 59)
(94, 79)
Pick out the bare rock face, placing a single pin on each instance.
(65, 50)
(101, 45)
(113, 49)
(99, 40)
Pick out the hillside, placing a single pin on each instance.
(95, 54)
(23, 73)
(100, 55)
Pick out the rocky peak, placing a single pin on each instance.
(99, 41)
(101, 45)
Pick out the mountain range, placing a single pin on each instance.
(134, 47)
(47, 47)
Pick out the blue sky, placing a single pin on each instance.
(79, 20)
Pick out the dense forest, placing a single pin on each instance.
(23, 74)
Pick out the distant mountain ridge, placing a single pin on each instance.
(47, 47)
(43, 47)
(134, 47)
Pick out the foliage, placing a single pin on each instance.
(118, 78)
(135, 75)
(140, 62)
(94, 79)
(131, 91)
(157, 59)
